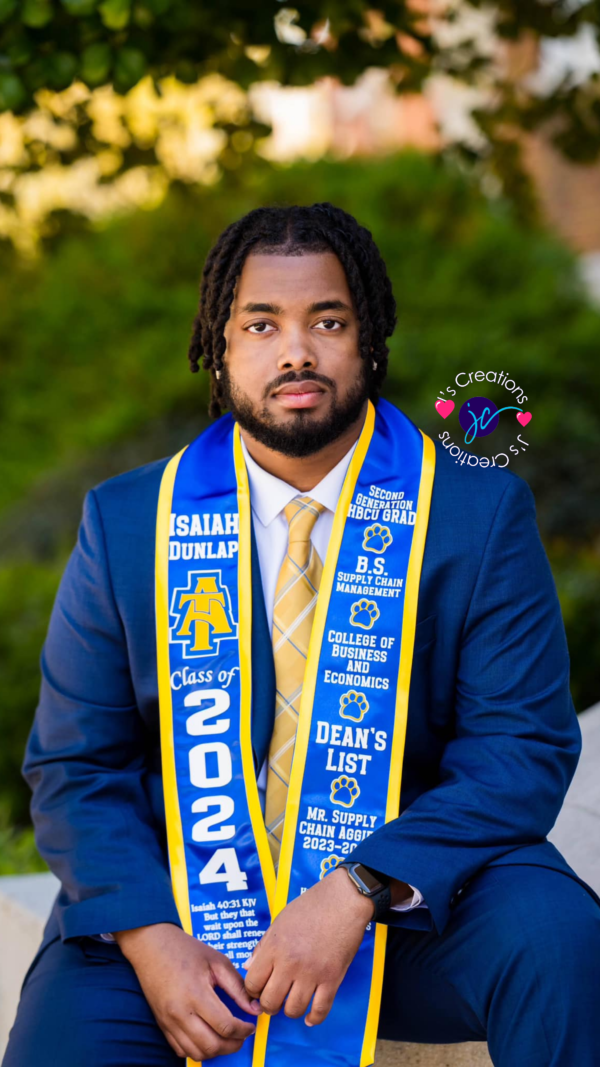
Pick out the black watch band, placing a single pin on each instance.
(371, 885)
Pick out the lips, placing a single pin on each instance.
(300, 387)
(300, 395)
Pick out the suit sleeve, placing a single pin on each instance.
(85, 759)
(504, 774)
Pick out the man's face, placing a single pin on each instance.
(293, 377)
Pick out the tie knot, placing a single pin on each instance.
(302, 514)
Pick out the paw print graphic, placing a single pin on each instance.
(377, 538)
(328, 864)
(364, 613)
(353, 706)
(344, 791)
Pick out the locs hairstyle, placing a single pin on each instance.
(292, 231)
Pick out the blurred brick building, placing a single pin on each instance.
(370, 118)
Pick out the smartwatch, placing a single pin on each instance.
(370, 885)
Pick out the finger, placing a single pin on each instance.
(259, 972)
(174, 1043)
(232, 982)
(247, 962)
(200, 1042)
(275, 991)
(222, 1021)
(321, 1005)
(298, 999)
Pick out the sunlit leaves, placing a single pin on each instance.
(115, 14)
(58, 43)
(99, 153)
(242, 41)
(36, 13)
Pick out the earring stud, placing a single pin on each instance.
(374, 365)
(217, 374)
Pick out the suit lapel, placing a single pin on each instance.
(263, 669)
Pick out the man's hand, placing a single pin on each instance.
(178, 975)
(308, 949)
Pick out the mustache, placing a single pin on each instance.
(305, 376)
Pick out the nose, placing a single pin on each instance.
(296, 353)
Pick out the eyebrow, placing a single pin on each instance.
(275, 309)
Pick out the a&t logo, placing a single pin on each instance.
(202, 611)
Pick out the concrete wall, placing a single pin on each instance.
(26, 901)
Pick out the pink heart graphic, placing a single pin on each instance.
(524, 417)
(445, 408)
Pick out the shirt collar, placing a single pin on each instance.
(270, 495)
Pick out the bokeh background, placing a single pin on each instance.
(464, 136)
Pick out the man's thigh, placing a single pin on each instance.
(516, 932)
(82, 1004)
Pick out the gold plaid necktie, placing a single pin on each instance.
(293, 613)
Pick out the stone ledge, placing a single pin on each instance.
(399, 1054)
(25, 902)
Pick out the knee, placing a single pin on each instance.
(553, 929)
(567, 933)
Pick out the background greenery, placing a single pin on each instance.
(93, 343)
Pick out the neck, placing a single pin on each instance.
(304, 472)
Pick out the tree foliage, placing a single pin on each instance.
(50, 43)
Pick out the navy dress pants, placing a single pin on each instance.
(518, 966)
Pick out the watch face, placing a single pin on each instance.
(368, 878)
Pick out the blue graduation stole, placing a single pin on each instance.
(347, 767)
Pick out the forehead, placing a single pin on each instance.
(291, 281)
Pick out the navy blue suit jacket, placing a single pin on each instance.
(492, 742)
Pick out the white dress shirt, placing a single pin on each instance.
(269, 496)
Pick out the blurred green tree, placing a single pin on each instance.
(93, 343)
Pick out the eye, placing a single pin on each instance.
(331, 325)
(259, 327)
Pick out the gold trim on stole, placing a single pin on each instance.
(409, 619)
(175, 843)
(245, 652)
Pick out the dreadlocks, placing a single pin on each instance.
(293, 231)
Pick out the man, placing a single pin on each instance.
(491, 935)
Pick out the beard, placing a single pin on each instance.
(305, 433)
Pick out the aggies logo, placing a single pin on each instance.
(203, 615)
